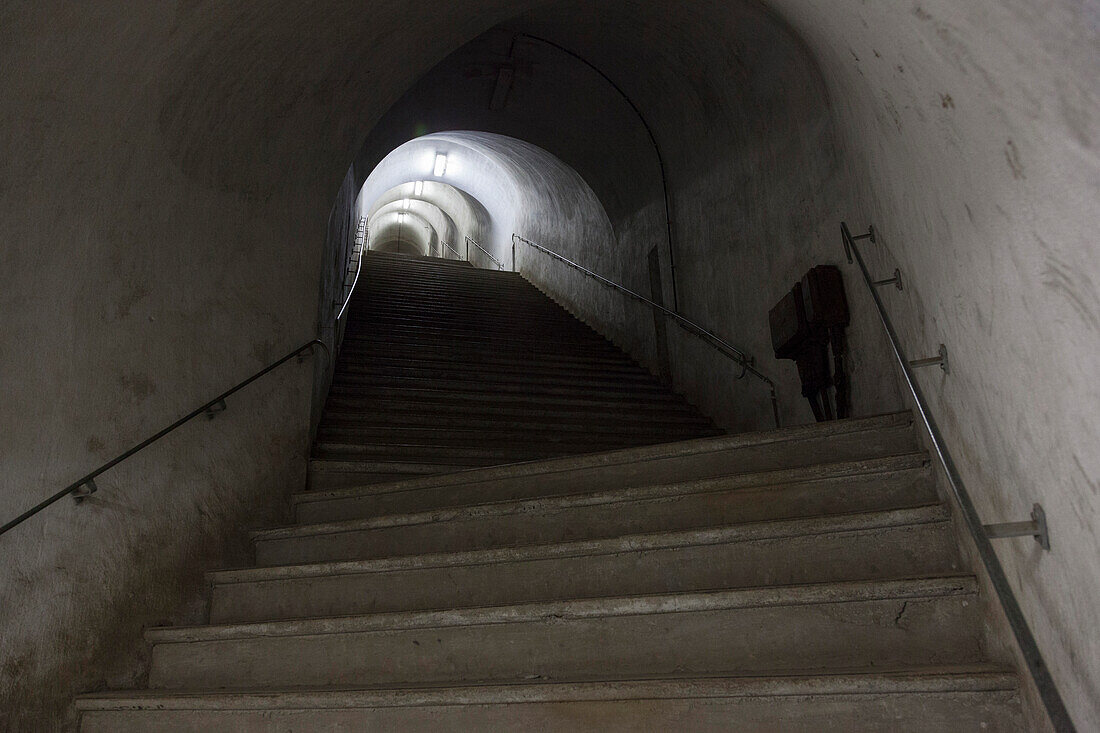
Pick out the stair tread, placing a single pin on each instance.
(662, 603)
(904, 461)
(913, 680)
(629, 543)
(519, 507)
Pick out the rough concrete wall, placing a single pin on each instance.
(970, 134)
(165, 178)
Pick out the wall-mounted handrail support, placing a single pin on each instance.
(741, 358)
(1036, 528)
(895, 280)
(939, 360)
(979, 532)
(85, 490)
(214, 409)
(849, 239)
(85, 485)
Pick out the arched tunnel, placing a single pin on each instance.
(182, 183)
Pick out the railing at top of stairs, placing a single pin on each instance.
(741, 358)
(471, 240)
(981, 533)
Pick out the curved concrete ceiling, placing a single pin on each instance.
(440, 221)
(522, 188)
(410, 227)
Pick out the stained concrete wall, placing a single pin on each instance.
(180, 161)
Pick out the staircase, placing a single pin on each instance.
(512, 527)
(446, 367)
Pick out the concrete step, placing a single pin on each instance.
(461, 354)
(459, 454)
(484, 403)
(565, 346)
(441, 270)
(490, 325)
(503, 392)
(364, 365)
(458, 308)
(490, 366)
(386, 309)
(835, 488)
(374, 271)
(468, 354)
(493, 276)
(528, 436)
(400, 410)
(509, 443)
(486, 296)
(326, 474)
(443, 461)
(800, 454)
(923, 700)
(579, 516)
(838, 626)
(870, 545)
(488, 381)
(429, 420)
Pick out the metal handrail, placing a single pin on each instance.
(361, 243)
(85, 485)
(744, 360)
(1056, 708)
(448, 246)
(470, 240)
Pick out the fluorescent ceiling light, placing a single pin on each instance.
(440, 164)
(418, 188)
(405, 204)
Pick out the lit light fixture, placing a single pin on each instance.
(440, 164)
(405, 204)
(401, 216)
(418, 189)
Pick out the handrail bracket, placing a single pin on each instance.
(213, 410)
(1036, 528)
(86, 489)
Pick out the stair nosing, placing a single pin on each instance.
(974, 678)
(938, 586)
(654, 493)
(636, 542)
(659, 451)
(899, 462)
